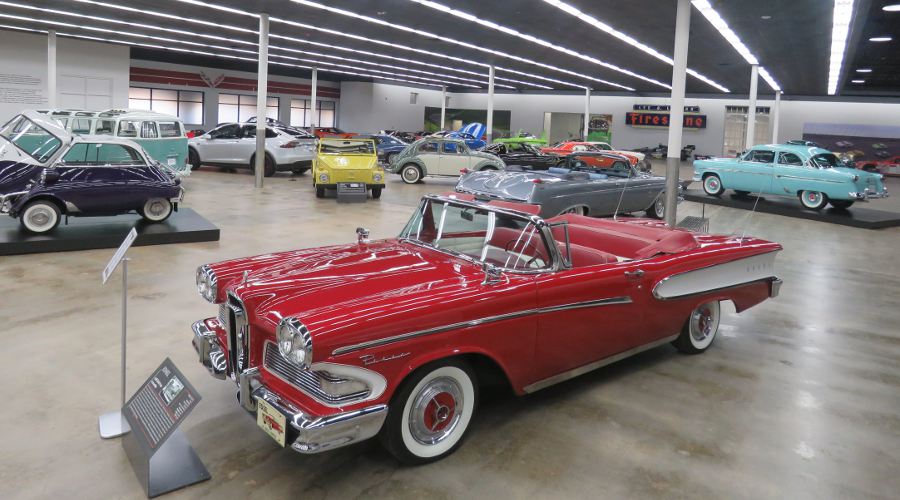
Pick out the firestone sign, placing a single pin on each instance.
(652, 116)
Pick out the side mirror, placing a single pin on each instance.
(49, 176)
(492, 274)
(362, 235)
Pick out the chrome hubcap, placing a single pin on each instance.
(436, 411)
(410, 174)
(660, 206)
(712, 184)
(157, 208)
(704, 321)
(40, 217)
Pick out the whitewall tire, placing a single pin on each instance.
(431, 413)
(411, 174)
(701, 328)
(156, 209)
(813, 200)
(712, 185)
(40, 216)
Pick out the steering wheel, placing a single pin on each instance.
(530, 246)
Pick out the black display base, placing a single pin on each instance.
(173, 466)
(88, 233)
(855, 216)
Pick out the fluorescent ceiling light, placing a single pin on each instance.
(880, 39)
(589, 19)
(864, 70)
(716, 20)
(892, 8)
(843, 13)
(433, 36)
(857, 81)
(533, 39)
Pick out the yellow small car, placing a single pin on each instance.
(353, 161)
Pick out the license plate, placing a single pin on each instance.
(172, 161)
(271, 421)
(354, 185)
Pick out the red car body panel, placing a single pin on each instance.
(352, 294)
(333, 133)
(567, 148)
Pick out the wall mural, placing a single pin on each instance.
(873, 148)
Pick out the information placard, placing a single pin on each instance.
(159, 406)
(117, 257)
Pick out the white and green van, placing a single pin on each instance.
(162, 136)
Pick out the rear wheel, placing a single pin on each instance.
(411, 174)
(658, 209)
(841, 204)
(431, 412)
(156, 209)
(270, 166)
(320, 192)
(712, 185)
(700, 329)
(813, 200)
(40, 216)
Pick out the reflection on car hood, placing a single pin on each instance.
(354, 162)
(10, 152)
(506, 185)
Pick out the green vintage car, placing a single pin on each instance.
(440, 156)
(523, 139)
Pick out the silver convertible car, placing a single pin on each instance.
(589, 183)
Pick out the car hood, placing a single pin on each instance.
(355, 293)
(352, 162)
(484, 154)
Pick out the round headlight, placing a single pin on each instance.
(377, 177)
(323, 177)
(294, 342)
(206, 283)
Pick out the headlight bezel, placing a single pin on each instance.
(207, 283)
(323, 177)
(294, 342)
(377, 177)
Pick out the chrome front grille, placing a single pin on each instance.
(307, 381)
(223, 316)
(238, 328)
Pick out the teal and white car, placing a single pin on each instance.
(813, 174)
(441, 156)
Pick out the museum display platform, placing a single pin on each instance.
(88, 233)
(856, 216)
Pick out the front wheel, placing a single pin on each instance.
(156, 209)
(320, 192)
(194, 159)
(813, 200)
(700, 329)
(376, 193)
(841, 204)
(40, 216)
(712, 185)
(658, 209)
(411, 174)
(430, 413)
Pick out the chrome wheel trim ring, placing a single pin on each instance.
(660, 206)
(704, 324)
(436, 411)
(157, 208)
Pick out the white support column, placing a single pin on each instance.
(751, 108)
(775, 114)
(443, 107)
(490, 106)
(676, 108)
(587, 111)
(262, 85)
(51, 69)
(313, 122)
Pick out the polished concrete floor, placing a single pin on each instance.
(798, 398)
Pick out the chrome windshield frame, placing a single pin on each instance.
(540, 224)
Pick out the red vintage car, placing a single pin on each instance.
(569, 147)
(885, 166)
(394, 338)
(330, 132)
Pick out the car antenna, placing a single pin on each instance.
(622, 194)
(756, 202)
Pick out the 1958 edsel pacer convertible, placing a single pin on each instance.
(329, 346)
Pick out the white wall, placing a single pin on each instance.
(370, 106)
(100, 70)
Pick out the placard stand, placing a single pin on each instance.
(112, 424)
(160, 454)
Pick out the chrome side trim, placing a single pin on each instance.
(489, 319)
(581, 370)
(717, 276)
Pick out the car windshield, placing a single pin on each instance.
(347, 147)
(825, 160)
(508, 241)
(31, 138)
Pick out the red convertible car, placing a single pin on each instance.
(394, 338)
(569, 147)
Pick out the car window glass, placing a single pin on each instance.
(450, 148)
(226, 132)
(91, 154)
(579, 148)
(248, 131)
(428, 147)
(789, 159)
(149, 130)
(825, 160)
(169, 129)
(31, 138)
(81, 126)
(104, 127)
(128, 128)
(762, 156)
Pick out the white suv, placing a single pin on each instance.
(234, 145)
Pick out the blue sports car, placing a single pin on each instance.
(387, 146)
(813, 174)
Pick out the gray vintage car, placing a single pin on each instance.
(588, 183)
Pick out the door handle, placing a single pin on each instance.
(637, 273)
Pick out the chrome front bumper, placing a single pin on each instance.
(775, 287)
(866, 194)
(7, 199)
(208, 349)
(311, 434)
